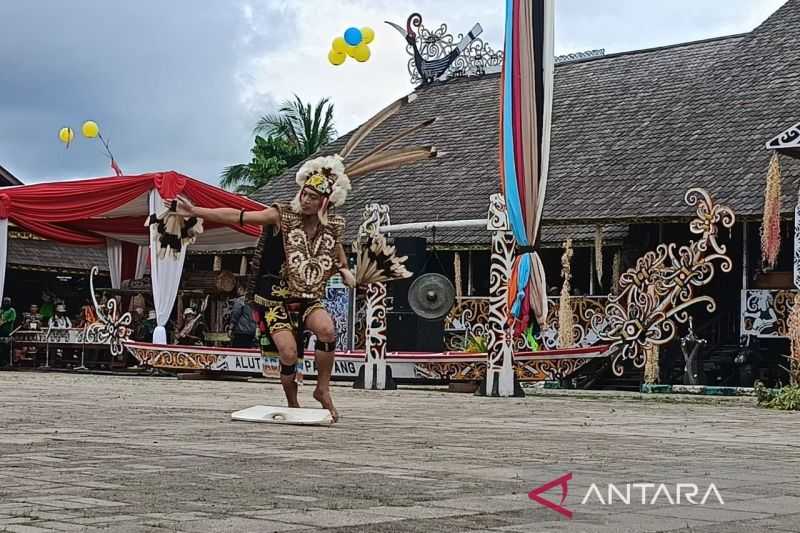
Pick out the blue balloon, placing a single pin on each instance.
(352, 36)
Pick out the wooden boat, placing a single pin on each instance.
(406, 366)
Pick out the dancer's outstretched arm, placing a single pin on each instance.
(226, 215)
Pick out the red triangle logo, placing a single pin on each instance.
(562, 481)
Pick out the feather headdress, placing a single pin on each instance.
(330, 175)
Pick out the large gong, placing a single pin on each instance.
(431, 296)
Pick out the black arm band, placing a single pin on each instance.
(241, 217)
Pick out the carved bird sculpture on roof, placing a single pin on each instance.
(432, 69)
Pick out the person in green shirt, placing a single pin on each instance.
(47, 309)
(8, 315)
(148, 327)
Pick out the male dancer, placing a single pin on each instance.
(299, 250)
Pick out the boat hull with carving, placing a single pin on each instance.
(406, 366)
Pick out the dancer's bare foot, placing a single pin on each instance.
(290, 390)
(324, 397)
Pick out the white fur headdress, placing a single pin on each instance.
(327, 176)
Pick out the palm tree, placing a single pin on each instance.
(305, 128)
(271, 157)
(293, 134)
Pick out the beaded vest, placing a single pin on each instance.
(290, 265)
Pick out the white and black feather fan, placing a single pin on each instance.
(174, 231)
(378, 262)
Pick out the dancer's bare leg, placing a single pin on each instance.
(287, 351)
(319, 322)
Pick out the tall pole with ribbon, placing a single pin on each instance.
(526, 105)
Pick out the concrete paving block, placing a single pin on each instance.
(20, 528)
(173, 460)
(419, 511)
(61, 526)
(227, 525)
(334, 518)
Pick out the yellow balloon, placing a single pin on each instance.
(66, 135)
(90, 129)
(340, 45)
(351, 51)
(367, 34)
(361, 53)
(336, 58)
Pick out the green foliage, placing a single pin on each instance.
(271, 157)
(293, 134)
(785, 399)
(531, 339)
(305, 128)
(477, 344)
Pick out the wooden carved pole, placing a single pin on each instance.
(500, 357)
(794, 317)
(375, 371)
(651, 351)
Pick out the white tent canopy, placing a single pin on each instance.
(113, 212)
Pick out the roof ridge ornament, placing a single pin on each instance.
(437, 53)
(576, 56)
(788, 141)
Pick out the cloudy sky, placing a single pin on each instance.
(180, 84)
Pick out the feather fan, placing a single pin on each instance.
(174, 231)
(378, 262)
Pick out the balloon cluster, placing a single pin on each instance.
(90, 130)
(353, 43)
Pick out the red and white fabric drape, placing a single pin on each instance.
(114, 251)
(165, 274)
(112, 211)
(142, 261)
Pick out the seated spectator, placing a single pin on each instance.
(60, 320)
(47, 306)
(87, 316)
(8, 315)
(242, 326)
(194, 328)
(147, 328)
(33, 319)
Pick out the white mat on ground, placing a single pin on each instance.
(284, 415)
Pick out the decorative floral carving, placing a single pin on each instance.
(525, 370)
(183, 358)
(765, 312)
(109, 328)
(499, 336)
(788, 139)
(376, 322)
(655, 294)
(337, 302)
(468, 319)
(374, 216)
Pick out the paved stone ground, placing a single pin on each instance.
(125, 454)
